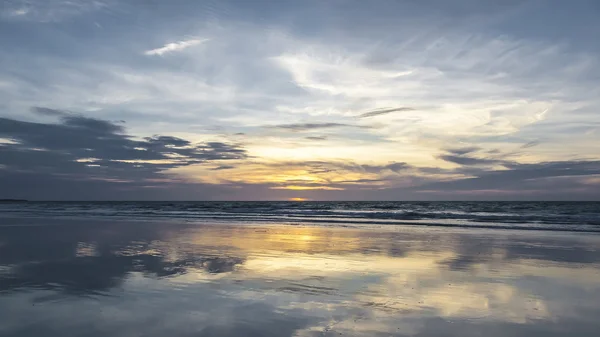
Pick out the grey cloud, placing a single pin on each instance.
(313, 126)
(561, 180)
(394, 167)
(315, 167)
(320, 170)
(82, 137)
(223, 167)
(219, 151)
(384, 112)
(164, 141)
(316, 138)
(556, 168)
(465, 160)
(397, 167)
(461, 156)
(463, 150)
(96, 126)
(360, 181)
(530, 144)
(82, 150)
(48, 112)
(520, 177)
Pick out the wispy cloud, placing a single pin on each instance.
(384, 112)
(467, 160)
(463, 150)
(19, 12)
(175, 46)
(223, 167)
(530, 144)
(51, 10)
(313, 126)
(49, 112)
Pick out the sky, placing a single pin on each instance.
(318, 100)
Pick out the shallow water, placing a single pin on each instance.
(101, 278)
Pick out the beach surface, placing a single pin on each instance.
(95, 277)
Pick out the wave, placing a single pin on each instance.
(563, 216)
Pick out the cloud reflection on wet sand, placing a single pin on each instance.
(154, 279)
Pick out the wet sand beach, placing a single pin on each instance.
(118, 278)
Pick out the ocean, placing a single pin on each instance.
(299, 269)
(552, 216)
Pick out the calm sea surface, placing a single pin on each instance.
(299, 269)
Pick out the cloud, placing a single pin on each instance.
(341, 166)
(97, 157)
(463, 156)
(466, 160)
(51, 10)
(48, 112)
(19, 12)
(83, 137)
(80, 148)
(530, 144)
(297, 127)
(223, 167)
(92, 125)
(384, 112)
(316, 138)
(163, 141)
(302, 175)
(175, 46)
(529, 180)
(463, 150)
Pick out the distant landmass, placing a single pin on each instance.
(13, 200)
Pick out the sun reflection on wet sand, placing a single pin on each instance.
(222, 280)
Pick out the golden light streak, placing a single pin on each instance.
(297, 199)
(306, 188)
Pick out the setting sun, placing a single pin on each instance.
(297, 199)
